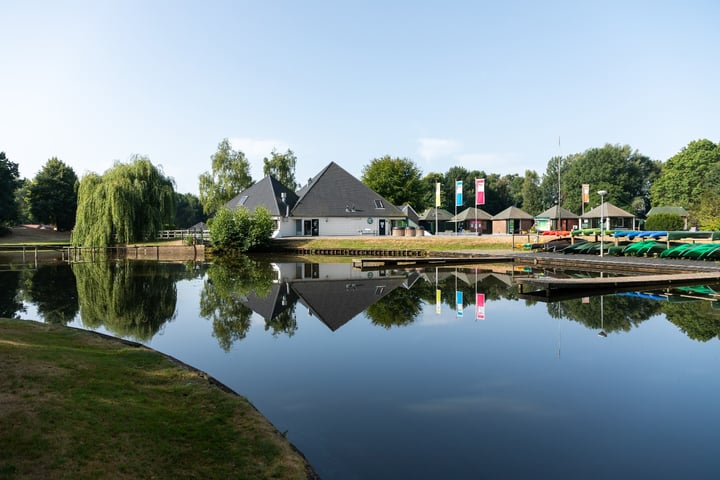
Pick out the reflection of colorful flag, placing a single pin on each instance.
(586, 193)
(458, 193)
(459, 303)
(437, 301)
(479, 191)
(437, 194)
(480, 306)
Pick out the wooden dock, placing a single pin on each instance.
(386, 262)
(553, 289)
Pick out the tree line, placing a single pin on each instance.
(131, 201)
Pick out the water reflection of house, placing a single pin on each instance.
(280, 298)
(334, 293)
(468, 277)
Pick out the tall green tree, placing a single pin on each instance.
(230, 175)
(188, 210)
(531, 195)
(399, 180)
(53, 195)
(22, 201)
(130, 202)
(687, 175)
(9, 182)
(623, 172)
(282, 167)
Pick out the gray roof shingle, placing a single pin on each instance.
(267, 193)
(335, 193)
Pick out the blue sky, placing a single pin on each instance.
(486, 85)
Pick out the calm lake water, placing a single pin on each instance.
(372, 378)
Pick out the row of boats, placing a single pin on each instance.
(639, 244)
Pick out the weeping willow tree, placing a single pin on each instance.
(128, 203)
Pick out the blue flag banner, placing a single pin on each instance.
(458, 193)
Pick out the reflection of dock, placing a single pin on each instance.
(566, 288)
(383, 262)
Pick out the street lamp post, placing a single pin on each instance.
(602, 194)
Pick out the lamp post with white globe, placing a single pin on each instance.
(602, 194)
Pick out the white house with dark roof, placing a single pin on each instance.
(333, 203)
(273, 195)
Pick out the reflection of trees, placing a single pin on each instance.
(130, 298)
(53, 289)
(699, 322)
(285, 322)
(229, 280)
(398, 308)
(10, 304)
(620, 313)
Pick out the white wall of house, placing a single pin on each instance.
(336, 226)
(287, 227)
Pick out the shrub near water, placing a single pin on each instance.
(239, 230)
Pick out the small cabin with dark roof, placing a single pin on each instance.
(512, 220)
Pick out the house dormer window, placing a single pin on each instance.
(379, 204)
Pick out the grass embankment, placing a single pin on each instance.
(77, 405)
(23, 235)
(440, 243)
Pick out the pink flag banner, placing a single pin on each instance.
(479, 191)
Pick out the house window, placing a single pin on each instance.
(242, 200)
(379, 204)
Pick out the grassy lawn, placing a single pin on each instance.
(439, 243)
(34, 236)
(76, 405)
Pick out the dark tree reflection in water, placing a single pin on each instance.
(619, 313)
(229, 281)
(701, 321)
(10, 304)
(130, 298)
(53, 289)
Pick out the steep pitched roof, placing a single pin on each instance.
(429, 215)
(513, 213)
(608, 210)
(267, 193)
(552, 212)
(335, 193)
(471, 213)
(410, 212)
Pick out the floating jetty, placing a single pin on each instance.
(385, 262)
(565, 288)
